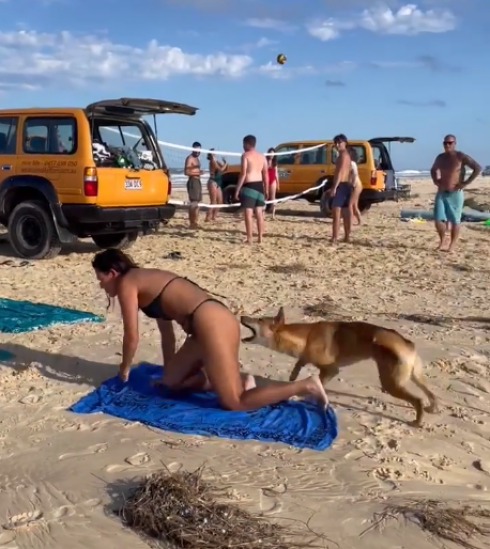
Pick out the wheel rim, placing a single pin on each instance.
(230, 198)
(30, 232)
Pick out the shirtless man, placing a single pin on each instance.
(448, 174)
(252, 188)
(341, 189)
(192, 168)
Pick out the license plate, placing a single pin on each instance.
(283, 174)
(132, 184)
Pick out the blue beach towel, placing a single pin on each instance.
(25, 316)
(296, 423)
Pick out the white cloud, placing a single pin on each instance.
(406, 20)
(264, 42)
(328, 29)
(269, 23)
(258, 44)
(32, 58)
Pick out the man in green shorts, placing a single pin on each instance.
(448, 174)
(252, 187)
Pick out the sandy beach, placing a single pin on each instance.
(61, 474)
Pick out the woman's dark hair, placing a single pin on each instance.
(273, 158)
(113, 260)
(353, 154)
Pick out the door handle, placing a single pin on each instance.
(6, 167)
(322, 171)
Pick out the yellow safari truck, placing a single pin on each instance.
(303, 168)
(94, 171)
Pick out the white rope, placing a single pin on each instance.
(224, 206)
(227, 153)
(221, 153)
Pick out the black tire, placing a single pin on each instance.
(229, 198)
(364, 206)
(32, 231)
(121, 241)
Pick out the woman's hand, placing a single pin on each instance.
(124, 373)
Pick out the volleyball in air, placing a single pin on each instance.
(281, 59)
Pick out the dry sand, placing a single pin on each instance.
(60, 473)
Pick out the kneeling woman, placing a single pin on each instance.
(209, 357)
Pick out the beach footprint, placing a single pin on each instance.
(30, 399)
(62, 512)
(269, 504)
(23, 520)
(76, 427)
(66, 511)
(95, 449)
(138, 460)
(174, 466)
(7, 541)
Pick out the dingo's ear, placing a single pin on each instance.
(280, 317)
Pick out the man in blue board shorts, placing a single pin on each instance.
(449, 175)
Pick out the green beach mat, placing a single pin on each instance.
(471, 216)
(25, 316)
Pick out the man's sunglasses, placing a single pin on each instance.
(448, 142)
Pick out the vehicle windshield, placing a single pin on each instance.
(123, 144)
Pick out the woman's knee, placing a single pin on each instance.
(231, 402)
(174, 378)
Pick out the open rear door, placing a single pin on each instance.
(134, 106)
(382, 156)
(117, 124)
(394, 139)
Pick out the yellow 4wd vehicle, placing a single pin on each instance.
(82, 172)
(299, 171)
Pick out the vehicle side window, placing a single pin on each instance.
(377, 156)
(50, 135)
(285, 159)
(313, 157)
(8, 134)
(360, 150)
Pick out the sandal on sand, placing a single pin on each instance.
(11, 263)
(173, 255)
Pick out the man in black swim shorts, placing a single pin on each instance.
(192, 169)
(341, 190)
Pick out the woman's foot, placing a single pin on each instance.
(248, 382)
(314, 388)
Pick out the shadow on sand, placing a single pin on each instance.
(77, 247)
(70, 369)
(438, 320)
(263, 382)
(59, 367)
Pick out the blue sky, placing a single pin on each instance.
(354, 66)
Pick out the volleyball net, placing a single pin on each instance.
(175, 156)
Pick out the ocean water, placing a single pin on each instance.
(179, 179)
